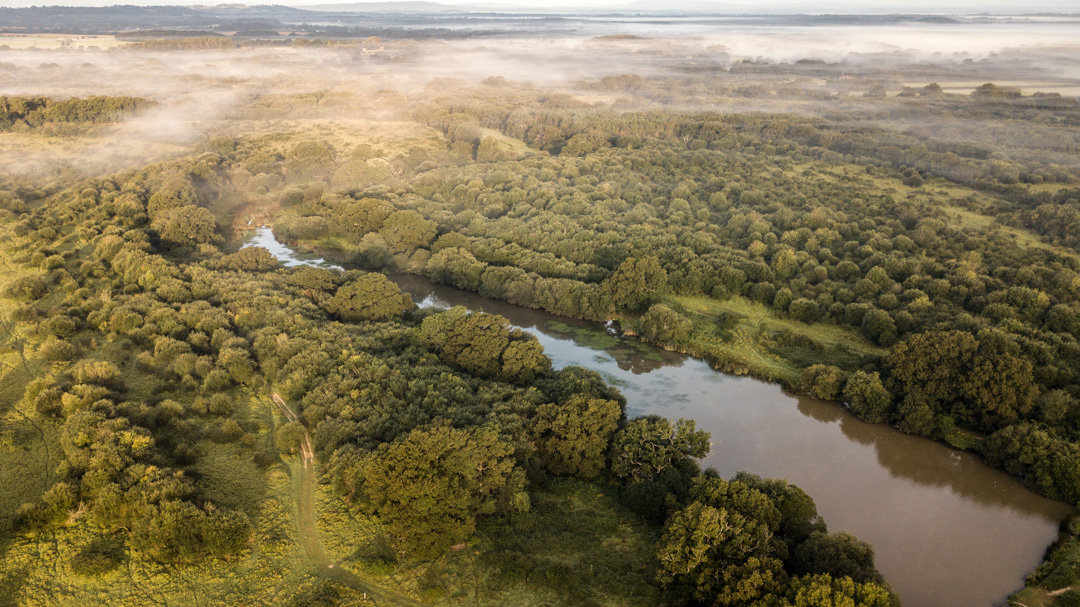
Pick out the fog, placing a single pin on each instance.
(204, 92)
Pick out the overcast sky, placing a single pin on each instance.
(809, 6)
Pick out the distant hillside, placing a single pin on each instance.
(86, 20)
(386, 7)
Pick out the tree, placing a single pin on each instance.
(312, 280)
(250, 259)
(879, 327)
(822, 381)
(997, 389)
(179, 531)
(372, 297)
(455, 266)
(648, 445)
(663, 325)
(636, 284)
(837, 554)
(360, 217)
(186, 226)
(407, 230)
(684, 549)
(484, 345)
(310, 157)
(927, 366)
(572, 380)
(867, 397)
(980, 384)
(524, 361)
(1047, 463)
(27, 288)
(715, 549)
(798, 512)
(826, 591)
(473, 342)
(494, 150)
(572, 438)
(430, 486)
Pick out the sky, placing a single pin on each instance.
(810, 6)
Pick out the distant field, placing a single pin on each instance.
(1026, 87)
(55, 41)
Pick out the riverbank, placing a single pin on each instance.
(925, 507)
(734, 336)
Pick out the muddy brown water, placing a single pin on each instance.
(948, 530)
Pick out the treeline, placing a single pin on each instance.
(24, 113)
(172, 43)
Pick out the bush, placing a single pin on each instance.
(27, 288)
(867, 397)
(823, 381)
(663, 325)
(1069, 599)
(57, 351)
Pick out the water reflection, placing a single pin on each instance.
(947, 529)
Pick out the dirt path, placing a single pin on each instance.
(305, 502)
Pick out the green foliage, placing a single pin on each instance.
(289, 437)
(663, 325)
(35, 112)
(823, 381)
(867, 397)
(568, 381)
(58, 351)
(179, 531)
(186, 225)
(250, 259)
(1048, 463)
(483, 344)
(717, 548)
(798, 513)
(572, 438)
(27, 288)
(371, 297)
(646, 446)
(430, 486)
(636, 284)
(312, 281)
(407, 230)
(1070, 598)
(836, 554)
(827, 591)
(977, 382)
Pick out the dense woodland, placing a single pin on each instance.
(925, 277)
(973, 332)
(67, 117)
(137, 335)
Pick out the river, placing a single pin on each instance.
(948, 531)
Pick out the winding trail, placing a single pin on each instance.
(309, 539)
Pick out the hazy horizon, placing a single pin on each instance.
(807, 6)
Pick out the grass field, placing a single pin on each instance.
(766, 345)
(511, 143)
(577, 546)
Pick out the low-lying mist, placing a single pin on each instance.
(721, 67)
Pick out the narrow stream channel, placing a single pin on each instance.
(948, 530)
